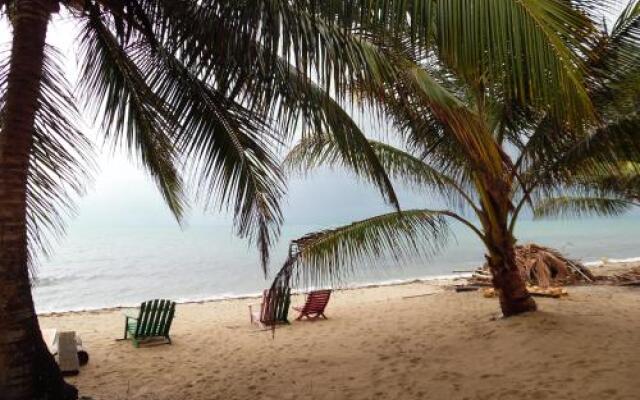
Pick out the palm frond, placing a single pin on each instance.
(530, 48)
(323, 118)
(567, 206)
(627, 23)
(471, 135)
(228, 150)
(61, 162)
(621, 180)
(326, 256)
(222, 38)
(274, 89)
(615, 66)
(400, 165)
(131, 114)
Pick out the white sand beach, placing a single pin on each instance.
(412, 341)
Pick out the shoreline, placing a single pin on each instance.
(411, 341)
(436, 280)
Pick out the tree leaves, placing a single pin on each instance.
(323, 257)
(567, 206)
(61, 164)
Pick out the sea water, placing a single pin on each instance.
(111, 266)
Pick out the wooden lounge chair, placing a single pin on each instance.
(314, 305)
(153, 321)
(280, 299)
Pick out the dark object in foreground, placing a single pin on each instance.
(274, 308)
(153, 321)
(314, 306)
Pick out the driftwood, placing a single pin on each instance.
(419, 295)
(542, 267)
(466, 288)
(554, 292)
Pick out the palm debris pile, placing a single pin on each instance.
(627, 278)
(541, 267)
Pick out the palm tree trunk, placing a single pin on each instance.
(27, 370)
(514, 297)
(500, 243)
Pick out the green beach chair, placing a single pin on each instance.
(153, 321)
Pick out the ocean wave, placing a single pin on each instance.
(605, 260)
(53, 280)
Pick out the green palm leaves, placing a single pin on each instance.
(332, 254)
(205, 94)
(494, 105)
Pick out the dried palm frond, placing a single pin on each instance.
(542, 266)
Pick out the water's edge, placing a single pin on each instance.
(439, 280)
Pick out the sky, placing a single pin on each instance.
(122, 194)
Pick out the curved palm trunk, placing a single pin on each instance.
(27, 369)
(514, 297)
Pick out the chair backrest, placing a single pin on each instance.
(275, 306)
(316, 301)
(155, 318)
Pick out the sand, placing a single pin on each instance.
(377, 344)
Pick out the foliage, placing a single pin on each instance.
(470, 136)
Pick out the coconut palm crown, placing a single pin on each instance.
(466, 137)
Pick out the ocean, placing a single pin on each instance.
(95, 267)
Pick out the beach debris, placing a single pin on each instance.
(541, 267)
(629, 278)
(466, 288)
(419, 295)
(537, 291)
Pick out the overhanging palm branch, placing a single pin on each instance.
(326, 256)
(401, 166)
(133, 115)
(530, 48)
(173, 95)
(284, 92)
(228, 151)
(567, 206)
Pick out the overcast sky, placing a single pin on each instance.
(121, 193)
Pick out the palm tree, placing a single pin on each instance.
(206, 89)
(212, 89)
(467, 137)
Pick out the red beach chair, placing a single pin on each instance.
(314, 306)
